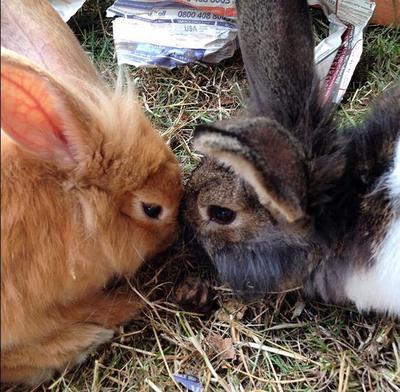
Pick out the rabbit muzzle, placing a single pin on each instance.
(254, 269)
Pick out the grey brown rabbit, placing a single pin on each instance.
(282, 199)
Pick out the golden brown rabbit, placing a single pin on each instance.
(89, 191)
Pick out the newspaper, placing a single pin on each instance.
(67, 8)
(338, 54)
(169, 33)
(225, 8)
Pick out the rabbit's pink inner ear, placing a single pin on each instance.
(29, 114)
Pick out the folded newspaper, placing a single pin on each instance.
(67, 8)
(169, 33)
(338, 54)
(172, 33)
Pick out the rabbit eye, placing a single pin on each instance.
(153, 211)
(221, 215)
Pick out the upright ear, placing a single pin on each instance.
(278, 53)
(37, 112)
(263, 154)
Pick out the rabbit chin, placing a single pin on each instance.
(256, 268)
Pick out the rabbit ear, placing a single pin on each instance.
(278, 53)
(36, 110)
(263, 154)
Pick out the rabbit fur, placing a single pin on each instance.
(283, 199)
(80, 168)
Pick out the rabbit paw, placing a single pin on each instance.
(194, 294)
